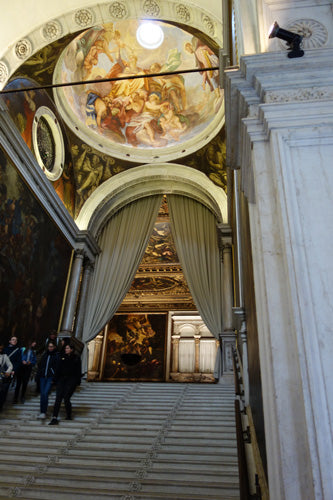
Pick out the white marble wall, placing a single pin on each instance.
(312, 19)
(282, 140)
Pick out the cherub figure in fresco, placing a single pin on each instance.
(86, 49)
(91, 58)
(205, 58)
(102, 46)
(170, 122)
(143, 125)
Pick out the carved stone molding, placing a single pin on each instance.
(151, 8)
(51, 31)
(23, 48)
(84, 18)
(314, 33)
(3, 72)
(209, 24)
(118, 10)
(72, 20)
(183, 12)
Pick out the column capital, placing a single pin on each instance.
(197, 339)
(224, 233)
(79, 253)
(238, 317)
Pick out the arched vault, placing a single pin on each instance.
(138, 182)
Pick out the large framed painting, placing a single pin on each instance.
(135, 347)
(34, 262)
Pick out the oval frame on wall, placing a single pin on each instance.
(45, 114)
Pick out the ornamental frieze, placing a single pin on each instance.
(51, 31)
(23, 49)
(84, 18)
(118, 10)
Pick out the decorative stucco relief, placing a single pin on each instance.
(314, 33)
(183, 13)
(3, 72)
(84, 18)
(209, 24)
(118, 10)
(105, 12)
(151, 8)
(51, 31)
(23, 49)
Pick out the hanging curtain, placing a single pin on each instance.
(123, 242)
(195, 235)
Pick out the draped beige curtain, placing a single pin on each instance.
(195, 234)
(123, 242)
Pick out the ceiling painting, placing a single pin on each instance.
(129, 118)
(87, 167)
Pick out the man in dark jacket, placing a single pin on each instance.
(47, 369)
(68, 376)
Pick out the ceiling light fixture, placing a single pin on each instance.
(150, 35)
(294, 40)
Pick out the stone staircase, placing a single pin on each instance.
(127, 441)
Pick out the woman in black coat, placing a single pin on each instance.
(67, 377)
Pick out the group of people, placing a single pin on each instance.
(59, 367)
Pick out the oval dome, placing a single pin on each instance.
(136, 116)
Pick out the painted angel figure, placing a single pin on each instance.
(205, 58)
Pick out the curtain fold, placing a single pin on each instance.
(195, 236)
(123, 242)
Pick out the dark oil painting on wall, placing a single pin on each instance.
(41, 127)
(34, 260)
(135, 348)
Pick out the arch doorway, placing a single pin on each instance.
(156, 332)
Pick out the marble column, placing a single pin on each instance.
(227, 337)
(72, 293)
(95, 367)
(175, 353)
(227, 286)
(87, 272)
(197, 353)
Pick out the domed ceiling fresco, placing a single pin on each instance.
(101, 142)
(141, 118)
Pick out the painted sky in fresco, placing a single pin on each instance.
(143, 113)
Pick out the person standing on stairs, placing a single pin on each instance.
(47, 369)
(6, 368)
(14, 353)
(68, 377)
(24, 373)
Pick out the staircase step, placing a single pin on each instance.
(144, 441)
